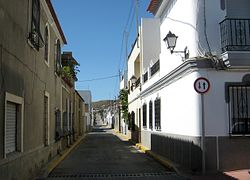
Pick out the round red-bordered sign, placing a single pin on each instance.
(201, 85)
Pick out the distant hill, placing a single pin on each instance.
(103, 104)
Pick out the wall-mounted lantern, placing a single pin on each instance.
(170, 41)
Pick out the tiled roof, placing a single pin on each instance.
(154, 6)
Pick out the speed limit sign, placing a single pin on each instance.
(201, 85)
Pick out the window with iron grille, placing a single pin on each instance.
(155, 68)
(46, 121)
(46, 44)
(158, 114)
(133, 121)
(144, 115)
(58, 57)
(145, 77)
(58, 129)
(150, 115)
(65, 123)
(239, 109)
(35, 36)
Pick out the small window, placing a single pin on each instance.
(35, 36)
(133, 121)
(144, 115)
(239, 109)
(13, 141)
(46, 119)
(58, 57)
(155, 68)
(145, 77)
(58, 129)
(46, 44)
(158, 114)
(150, 115)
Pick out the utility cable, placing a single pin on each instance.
(97, 79)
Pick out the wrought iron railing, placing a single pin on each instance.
(239, 111)
(138, 81)
(145, 77)
(235, 35)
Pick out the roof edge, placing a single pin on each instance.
(53, 13)
(154, 6)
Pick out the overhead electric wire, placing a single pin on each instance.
(97, 79)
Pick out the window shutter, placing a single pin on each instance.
(11, 128)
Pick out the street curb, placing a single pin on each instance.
(52, 165)
(124, 137)
(58, 159)
(145, 150)
(158, 158)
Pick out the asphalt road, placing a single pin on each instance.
(102, 155)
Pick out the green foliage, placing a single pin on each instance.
(123, 97)
(66, 72)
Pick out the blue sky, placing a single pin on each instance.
(94, 30)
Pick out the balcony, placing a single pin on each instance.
(235, 35)
(138, 81)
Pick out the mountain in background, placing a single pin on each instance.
(103, 104)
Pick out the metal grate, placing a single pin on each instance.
(239, 109)
(235, 35)
(81, 175)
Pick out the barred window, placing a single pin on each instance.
(144, 115)
(58, 57)
(158, 114)
(155, 68)
(239, 111)
(150, 115)
(145, 77)
(133, 121)
(58, 129)
(46, 44)
(35, 36)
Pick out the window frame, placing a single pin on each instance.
(58, 62)
(47, 124)
(35, 37)
(47, 45)
(20, 116)
(155, 68)
(157, 114)
(144, 116)
(235, 114)
(150, 118)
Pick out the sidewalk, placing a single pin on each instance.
(228, 175)
(58, 159)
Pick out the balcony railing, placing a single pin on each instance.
(138, 81)
(235, 35)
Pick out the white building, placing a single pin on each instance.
(86, 95)
(146, 46)
(209, 133)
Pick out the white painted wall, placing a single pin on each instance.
(150, 42)
(180, 103)
(216, 115)
(179, 107)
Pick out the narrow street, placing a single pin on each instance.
(103, 155)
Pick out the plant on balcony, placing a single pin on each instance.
(67, 75)
(123, 98)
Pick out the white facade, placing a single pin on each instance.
(87, 97)
(205, 28)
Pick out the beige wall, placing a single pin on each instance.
(24, 73)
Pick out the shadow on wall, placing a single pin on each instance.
(135, 134)
(184, 153)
